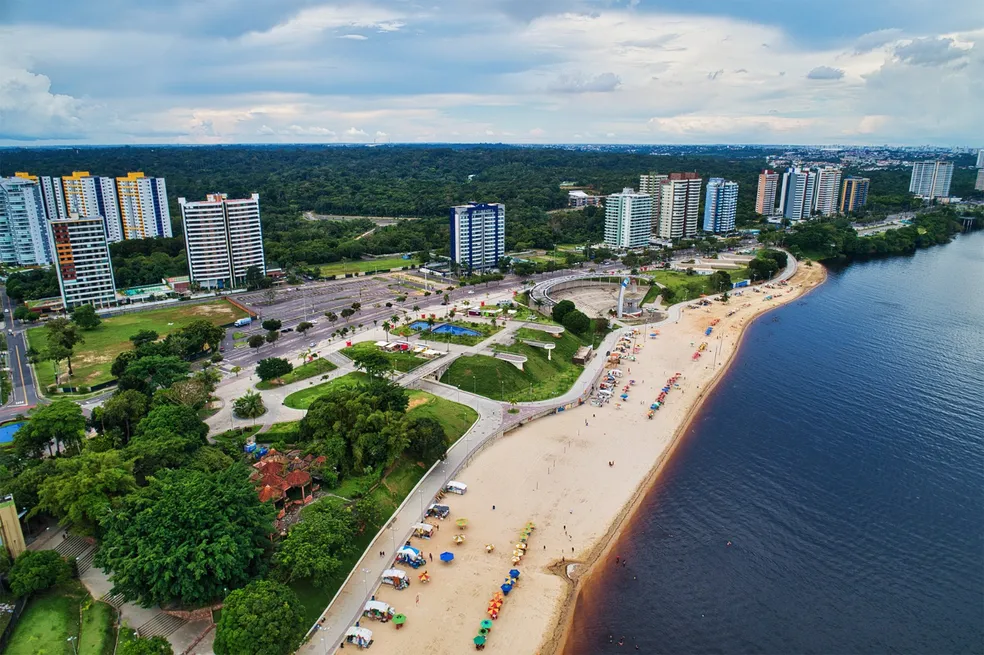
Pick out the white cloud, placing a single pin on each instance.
(579, 83)
(929, 51)
(354, 37)
(312, 22)
(355, 132)
(825, 73)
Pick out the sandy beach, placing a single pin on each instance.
(555, 472)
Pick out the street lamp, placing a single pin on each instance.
(365, 579)
(75, 648)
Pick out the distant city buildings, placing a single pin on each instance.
(854, 194)
(628, 219)
(23, 222)
(478, 236)
(679, 206)
(931, 179)
(720, 205)
(577, 199)
(652, 184)
(828, 186)
(798, 189)
(85, 273)
(979, 183)
(765, 197)
(980, 158)
(143, 206)
(223, 239)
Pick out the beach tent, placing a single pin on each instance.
(377, 609)
(456, 487)
(604, 392)
(396, 578)
(423, 530)
(440, 511)
(361, 637)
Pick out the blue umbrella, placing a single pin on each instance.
(514, 573)
(506, 588)
(446, 556)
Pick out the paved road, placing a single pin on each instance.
(24, 395)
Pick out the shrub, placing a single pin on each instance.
(37, 570)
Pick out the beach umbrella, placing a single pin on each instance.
(506, 588)
(514, 573)
(399, 619)
(461, 522)
(479, 640)
(486, 624)
(447, 557)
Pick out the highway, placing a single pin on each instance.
(24, 394)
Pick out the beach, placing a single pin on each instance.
(576, 476)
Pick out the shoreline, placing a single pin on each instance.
(578, 475)
(557, 641)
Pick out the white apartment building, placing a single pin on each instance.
(23, 222)
(798, 189)
(628, 219)
(223, 239)
(980, 158)
(720, 205)
(828, 190)
(478, 235)
(85, 272)
(765, 197)
(652, 184)
(979, 183)
(931, 179)
(92, 195)
(143, 206)
(54, 197)
(679, 206)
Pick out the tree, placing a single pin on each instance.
(386, 329)
(271, 324)
(37, 570)
(272, 368)
(356, 306)
(237, 370)
(61, 423)
(667, 294)
(447, 299)
(135, 645)
(249, 405)
(254, 278)
(272, 336)
(561, 309)
(63, 336)
(262, 618)
(720, 281)
(123, 411)
(158, 371)
(124, 359)
(601, 325)
(374, 362)
(187, 537)
(314, 548)
(256, 341)
(193, 392)
(85, 489)
(576, 322)
(161, 448)
(348, 311)
(142, 337)
(331, 316)
(304, 326)
(197, 336)
(428, 442)
(85, 317)
(179, 419)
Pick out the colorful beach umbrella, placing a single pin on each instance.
(479, 640)
(514, 573)
(447, 557)
(486, 624)
(399, 619)
(461, 522)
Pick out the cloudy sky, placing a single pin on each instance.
(524, 71)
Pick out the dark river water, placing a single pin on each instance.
(843, 458)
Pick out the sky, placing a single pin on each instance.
(904, 72)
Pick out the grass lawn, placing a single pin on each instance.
(317, 366)
(688, 287)
(400, 361)
(98, 634)
(286, 432)
(365, 265)
(454, 417)
(93, 358)
(302, 399)
(48, 621)
(486, 329)
(540, 379)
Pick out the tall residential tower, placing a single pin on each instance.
(628, 219)
(223, 239)
(92, 195)
(478, 235)
(143, 206)
(23, 222)
(85, 273)
(679, 206)
(796, 200)
(765, 197)
(720, 205)
(828, 186)
(854, 195)
(652, 184)
(931, 179)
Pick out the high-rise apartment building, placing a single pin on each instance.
(679, 206)
(54, 197)
(979, 183)
(628, 219)
(828, 187)
(478, 235)
(92, 195)
(798, 188)
(652, 184)
(23, 222)
(223, 239)
(931, 179)
(980, 158)
(854, 195)
(765, 197)
(81, 251)
(143, 206)
(720, 205)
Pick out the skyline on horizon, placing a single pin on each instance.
(557, 72)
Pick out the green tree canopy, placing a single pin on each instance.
(561, 309)
(63, 336)
(134, 645)
(199, 335)
(249, 405)
(576, 321)
(427, 440)
(315, 547)
(373, 361)
(157, 371)
(161, 448)
(60, 423)
(123, 411)
(256, 341)
(179, 419)
(86, 488)
(37, 570)
(272, 324)
(85, 317)
(272, 368)
(721, 280)
(304, 326)
(187, 537)
(142, 337)
(262, 618)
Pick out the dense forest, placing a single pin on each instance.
(404, 181)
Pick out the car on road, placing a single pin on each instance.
(311, 345)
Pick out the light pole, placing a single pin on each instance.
(75, 648)
(365, 579)
(420, 496)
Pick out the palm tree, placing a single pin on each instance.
(386, 329)
(249, 405)
(236, 370)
